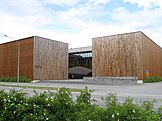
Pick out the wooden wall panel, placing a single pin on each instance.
(50, 59)
(9, 58)
(117, 55)
(27, 57)
(152, 57)
(1, 60)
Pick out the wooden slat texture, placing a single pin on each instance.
(117, 55)
(1, 60)
(152, 57)
(9, 58)
(50, 59)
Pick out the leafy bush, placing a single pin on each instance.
(59, 106)
(85, 109)
(153, 79)
(12, 104)
(128, 110)
(84, 97)
(14, 79)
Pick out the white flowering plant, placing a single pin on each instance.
(60, 106)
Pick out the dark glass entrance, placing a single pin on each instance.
(80, 65)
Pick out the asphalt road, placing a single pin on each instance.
(138, 91)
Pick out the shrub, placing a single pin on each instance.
(64, 105)
(160, 112)
(153, 79)
(14, 79)
(85, 109)
(84, 97)
(12, 106)
(59, 106)
(128, 110)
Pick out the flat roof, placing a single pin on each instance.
(80, 49)
(14, 40)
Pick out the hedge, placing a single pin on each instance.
(59, 106)
(153, 79)
(14, 79)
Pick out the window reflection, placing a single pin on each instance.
(80, 59)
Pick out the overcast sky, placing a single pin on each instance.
(78, 21)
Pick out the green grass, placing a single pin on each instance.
(14, 79)
(39, 87)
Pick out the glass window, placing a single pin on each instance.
(80, 59)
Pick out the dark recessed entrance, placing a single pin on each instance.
(80, 65)
(79, 72)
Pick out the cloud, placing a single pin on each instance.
(64, 2)
(79, 17)
(93, 29)
(146, 3)
(23, 6)
(96, 2)
(142, 18)
(71, 3)
(79, 23)
(147, 21)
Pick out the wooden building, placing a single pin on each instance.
(40, 59)
(128, 55)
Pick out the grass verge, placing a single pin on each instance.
(153, 79)
(40, 87)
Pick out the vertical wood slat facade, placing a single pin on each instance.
(125, 55)
(35, 51)
(9, 58)
(50, 59)
(152, 57)
(1, 60)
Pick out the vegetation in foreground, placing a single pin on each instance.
(14, 79)
(59, 106)
(153, 79)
